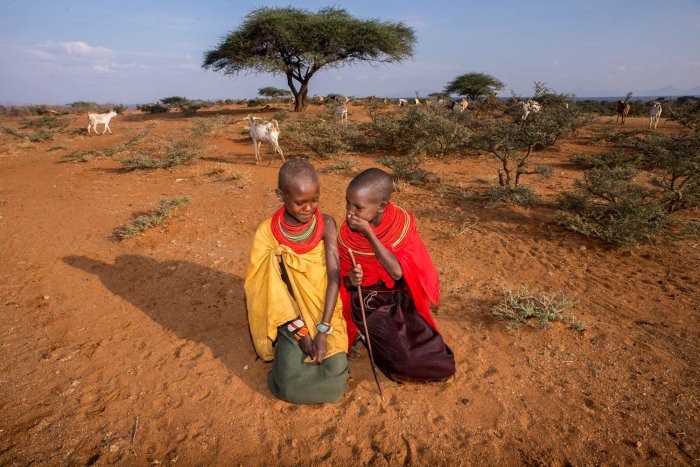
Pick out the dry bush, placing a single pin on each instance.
(407, 169)
(127, 145)
(313, 136)
(140, 224)
(526, 306)
(340, 165)
(420, 130)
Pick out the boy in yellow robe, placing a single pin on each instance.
(291, 288)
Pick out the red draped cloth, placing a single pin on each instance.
(278, 224)
(398, 233)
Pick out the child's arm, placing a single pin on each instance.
(386, 258)
(333, 271)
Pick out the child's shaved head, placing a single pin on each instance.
(296, 171)
(375, 181)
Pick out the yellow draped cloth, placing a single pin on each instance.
(268, 299)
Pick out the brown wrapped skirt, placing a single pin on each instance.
(404, 346)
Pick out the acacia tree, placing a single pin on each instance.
(298, 43)
(272, 92)
(474, 85)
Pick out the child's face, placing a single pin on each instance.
(362, 204)
(300, 201)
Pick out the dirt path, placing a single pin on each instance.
(138, 351)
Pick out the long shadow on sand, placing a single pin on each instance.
(195, 302)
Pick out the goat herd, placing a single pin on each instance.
(269, 130)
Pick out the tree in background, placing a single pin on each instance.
(174, 101)
(273, 92)
(298, 43)
(474, 85)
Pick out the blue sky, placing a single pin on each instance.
(130, 51)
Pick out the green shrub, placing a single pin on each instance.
(341, 165)
(407, 169)
(522, 194)
(686, 112)
(675, 164)
(512, 145)
(153, 108)
(38, 136)
(45, 122)
(420, 130)
(174, 102)
(316, 137)
(610, 205)
(614, 159)
(525, 306)
(189, 107)
(256, 102)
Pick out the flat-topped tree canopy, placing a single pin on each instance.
(297, 43)
(474, 85)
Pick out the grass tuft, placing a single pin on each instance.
(526, 306)
(339, 165)
(146, 221)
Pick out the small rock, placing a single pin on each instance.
(245, 367)
(583, 248)
(46, 297)
(639, 444)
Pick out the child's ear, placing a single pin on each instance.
(382, 206)
(279, 194)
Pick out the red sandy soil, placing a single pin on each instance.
(137, 351)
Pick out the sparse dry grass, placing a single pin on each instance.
(526, 306)
(140, 224)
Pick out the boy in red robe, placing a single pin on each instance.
(398, 282)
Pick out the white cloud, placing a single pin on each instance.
(41, 54)
(80, 49)
(113, 67)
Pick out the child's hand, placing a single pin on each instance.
(320, 347)
(358, 224)
(355, 275)
(307, 345)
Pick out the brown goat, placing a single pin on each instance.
(623, 108)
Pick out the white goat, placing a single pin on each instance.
(417, 101)
(529, 107)
(263, 130)
(459, 105)
(655, 114)
(403, 103)
(342, 112)
(95, 119)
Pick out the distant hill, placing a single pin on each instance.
(643, 95)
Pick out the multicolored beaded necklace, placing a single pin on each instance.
(301, 236)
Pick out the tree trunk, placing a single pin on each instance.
(300, 104)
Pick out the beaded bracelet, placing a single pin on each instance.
(301, 332)
(324, 328)
(296, 324)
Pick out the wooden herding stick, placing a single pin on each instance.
(364, 323)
